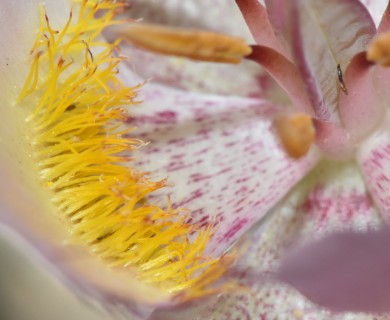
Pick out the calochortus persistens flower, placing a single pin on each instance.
(75, 156)
(342, 92)
(221, 152)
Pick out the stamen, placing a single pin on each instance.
(379, 50)
(296, 133)
(193, 44)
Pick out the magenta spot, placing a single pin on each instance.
(162, 117)
(196, 194)
(243, 190)
(172, 167)
(178, 156)
(240, 201)
(243, 179)
(230, 144)
(226, 133)
(204, 131)
(202, 151)
(236, 227)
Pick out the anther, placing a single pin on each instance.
(296, 133)
(193, 44)
(379, 50)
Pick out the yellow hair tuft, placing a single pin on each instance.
(82, 157)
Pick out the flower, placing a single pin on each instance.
(237, 187)
(68, 114)
(335, 195)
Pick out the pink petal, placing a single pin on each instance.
(279, 13)
(220, 154)
(321, 36)
(332, 197)
(257, 20)
(343, 272)
(285, 74)
(363, 108)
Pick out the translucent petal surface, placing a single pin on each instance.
(31, 292)
(216, 15)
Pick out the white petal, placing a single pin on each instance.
(376, 8)
(220, 154)
(374, 159)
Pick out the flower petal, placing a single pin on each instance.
(343, 272)
(203, 77)
(45, 239)
(384, 24)
(256, 17)
(332, 197)
(221, 155)
(374, 159)
(16, 43)
(323, 35)
(285, 74)
(364, 106)
(24, 206)
(30, 292)
(376, 9)
(217, 15)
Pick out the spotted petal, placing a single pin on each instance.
(220, 154)
(27, 213)
(332, 197)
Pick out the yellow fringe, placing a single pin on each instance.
(83, 158)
